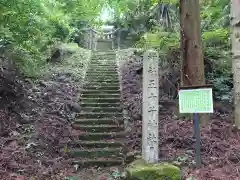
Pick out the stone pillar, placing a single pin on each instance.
(118, 39)
(95, 41)
(91, 39)
(150, 107)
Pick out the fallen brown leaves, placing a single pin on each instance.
(35, 119)
(220, 142)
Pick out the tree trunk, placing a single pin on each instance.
(192, 56)
(235, 22)
(192, 62)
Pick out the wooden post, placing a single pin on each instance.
(235, 37)
(150, 107)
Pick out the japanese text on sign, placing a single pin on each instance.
(196, 100)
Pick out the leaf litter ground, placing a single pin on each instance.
(35, 119)
(220, 142)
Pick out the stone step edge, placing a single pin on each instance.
(102, 98)
(119, 149)
(103, 105)
(101, 94)
(97, 107)
(97, 161)
(93, 152)
(113, 71)
(99, 121)
(82, 142)
(101, 127)
(97, 75)
(95, 80)
(100, 84)
(103, 133)
(99, 113)
(104, 90)
(88, 103)
(102, 80)
(104, 66)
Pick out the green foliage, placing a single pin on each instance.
(215, 41)
(217, 37)
(31, 26)
(160, 40)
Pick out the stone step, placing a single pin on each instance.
(101, 121)
(102, 74)
(103, 58)
(106, 87)
(102, 136)
(104, 54)
(92, 144)
(98, 115)
(105, 61)
(102, 78)
(102, 71)
(115, 104)
(100, 100)
(98, 128)
(99, 65)
(85, 162)
(102, 66)
(102, 91)
(99, 85)
(101, 95)
(95, 152)
(105, 71)
(101, 109)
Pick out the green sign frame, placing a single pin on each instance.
(199, 100)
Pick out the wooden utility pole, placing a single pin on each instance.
(235, 37)
(192, 61)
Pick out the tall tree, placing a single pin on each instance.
(192, 63)
(235, 23)
(192, 55)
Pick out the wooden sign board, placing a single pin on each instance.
(196, 100)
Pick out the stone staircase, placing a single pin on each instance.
(101, 118)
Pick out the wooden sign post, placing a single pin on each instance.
(196, 99)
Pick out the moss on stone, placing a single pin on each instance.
(138, 170)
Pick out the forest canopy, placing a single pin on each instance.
(28, 27)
